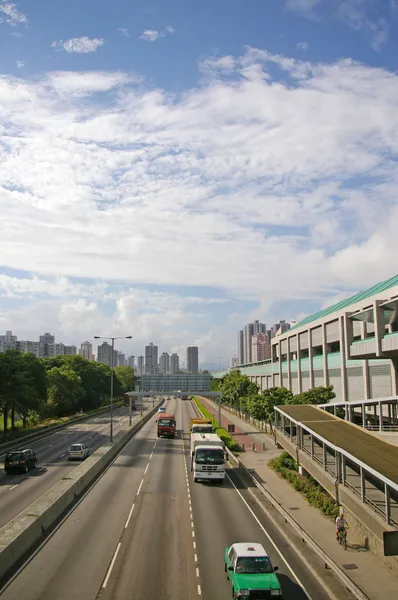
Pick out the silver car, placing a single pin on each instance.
(78, 452)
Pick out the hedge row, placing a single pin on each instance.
(287, 467)
(220, 431)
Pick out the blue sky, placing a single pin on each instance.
(175, 169)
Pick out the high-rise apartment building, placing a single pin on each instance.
(174, 363)
(47, 338)
(248, 331)
(131, 362)
(261, 348)
(86, 350)
(164, 363)
(192, 359)
(140, 366)
(151, 359)
(241, 348)
(104, 354)
(121, 359)
(70, 350)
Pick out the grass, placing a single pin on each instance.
(220, 431)
(42, 425)
(316, 495)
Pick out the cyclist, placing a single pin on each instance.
(341, 525)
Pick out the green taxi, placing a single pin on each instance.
(250, 571)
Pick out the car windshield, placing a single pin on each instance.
(253, 564)
(75, 448)
(15, 456)
(210, 456)
(167, 422)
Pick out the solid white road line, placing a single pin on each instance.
(139, 489)
(111, 565)
(129, 517)
(269, 538)
(13, 487)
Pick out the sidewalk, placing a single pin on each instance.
(366, 570)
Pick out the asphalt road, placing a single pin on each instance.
(147, 530)
(17, 491)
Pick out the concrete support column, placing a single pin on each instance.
(394, 376)
(350, 414)
(311, 366)
(325, 456)
(366, 379)
(379, 326)
(325, 356)
(363, 416)
(299, 387)
(289, 371)
(280, 362)
(343, 469)
(380, 416)
(387, 496)
(312, 446)
(335, 410)
(363, 484)
(343, 355)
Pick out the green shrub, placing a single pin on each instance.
(287, 467)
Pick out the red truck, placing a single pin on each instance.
(166, 425)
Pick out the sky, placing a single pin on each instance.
(174, 170)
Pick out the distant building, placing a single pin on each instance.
(121, 359)
(140, 366)
(151, 359)
(241, 348)
(192, 359)
(164, 363)
(86, 350)
(47, 338)
(131, 362)
(234, 362)
(261, 348)
(174, 363)
(104, 354)
(70, 350)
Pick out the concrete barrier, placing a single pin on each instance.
(19, 537)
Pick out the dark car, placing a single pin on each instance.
(20, 460)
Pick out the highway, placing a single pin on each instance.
(17, 491)
(146, 530)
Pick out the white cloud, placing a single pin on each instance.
(267, 188)
(20, 64)
(302, 46)
(150, 35)
(124, 31)
(170, 29)
(82, 45)
(13, 16)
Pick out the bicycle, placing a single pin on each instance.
(342, 538)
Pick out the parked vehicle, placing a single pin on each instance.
(78, 452)
(208, 457)
(166, 425)
(20, 461)
(250, 572)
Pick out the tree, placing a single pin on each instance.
(65, 390)
(126, 377)
(236, 386)
(275, 396)
(316, 395)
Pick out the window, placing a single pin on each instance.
(231, 556)
(210, 456)
(253, 564)
(166, 422)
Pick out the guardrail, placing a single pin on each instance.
(30, 528)
(328, 562)
(49, 430)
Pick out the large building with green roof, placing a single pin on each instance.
(352, 345)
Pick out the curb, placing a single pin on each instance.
(329, 562)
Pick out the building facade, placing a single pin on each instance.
(151, 359)
(140, 366)
(261, 348)
(86, 350)
(352, 345)
(193, 359)
(164, 363)
(104, 355)
(174, 363)
(72, 350)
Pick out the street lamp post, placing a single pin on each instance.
(124, 337)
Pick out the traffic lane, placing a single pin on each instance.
(74, 560)
(20, 490)
(156, 555)
(222, 518)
